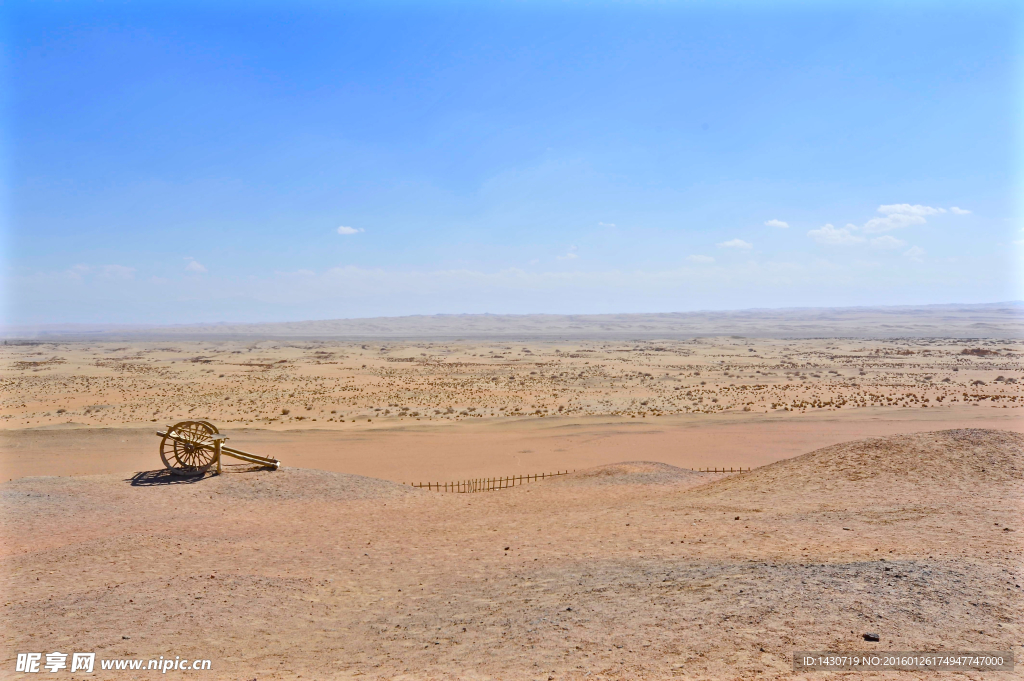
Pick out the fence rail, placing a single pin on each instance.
(721, 470)
(493, 484)
(485, 484)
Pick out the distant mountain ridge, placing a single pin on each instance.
(989, 320)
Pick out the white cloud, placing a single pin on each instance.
(893, 216)
(831, 236)
(700, 258)
(907, 209)
(194, 266)
(117, 272)
(777, 223)
(1019, 242)
(349, 230)
(736, 243)
(78, 271)
(899, 215)
(568, 256)
(915, 253)
(887, 242)
(606, 224)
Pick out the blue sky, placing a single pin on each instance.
(184, 162)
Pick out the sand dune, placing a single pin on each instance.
(951, 460)
(668, 573)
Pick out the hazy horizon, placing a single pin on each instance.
(993, 321)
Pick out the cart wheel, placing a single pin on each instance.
(187, 449)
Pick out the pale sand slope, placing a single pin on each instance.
(631, 571)
(424, 452)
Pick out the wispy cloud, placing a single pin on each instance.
(915, 253)
(700, 258)
(832, 236)
(117, 272)
(898, 215)
(194, 266)
(887, 242)
(606, 224)
(346, 231)
(959, 211)
(736, 243)
(79, 271)
(386, 291)
(777, 223)
(571, 255)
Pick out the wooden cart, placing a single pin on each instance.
(193, 447)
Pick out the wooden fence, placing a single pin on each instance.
(485, 484)
(721, 470)
(492, 484)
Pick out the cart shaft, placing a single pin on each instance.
(230, 451)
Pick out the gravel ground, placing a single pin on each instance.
(630, 571)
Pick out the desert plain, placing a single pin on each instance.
(881, 493)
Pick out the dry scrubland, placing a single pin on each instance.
(633, 571)
(355, 384)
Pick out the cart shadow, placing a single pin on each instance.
(163, 477)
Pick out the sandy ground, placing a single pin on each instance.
(430, 411)
(630, 571)
(424, 452)
(330, 568)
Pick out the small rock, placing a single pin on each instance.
(871, 637)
